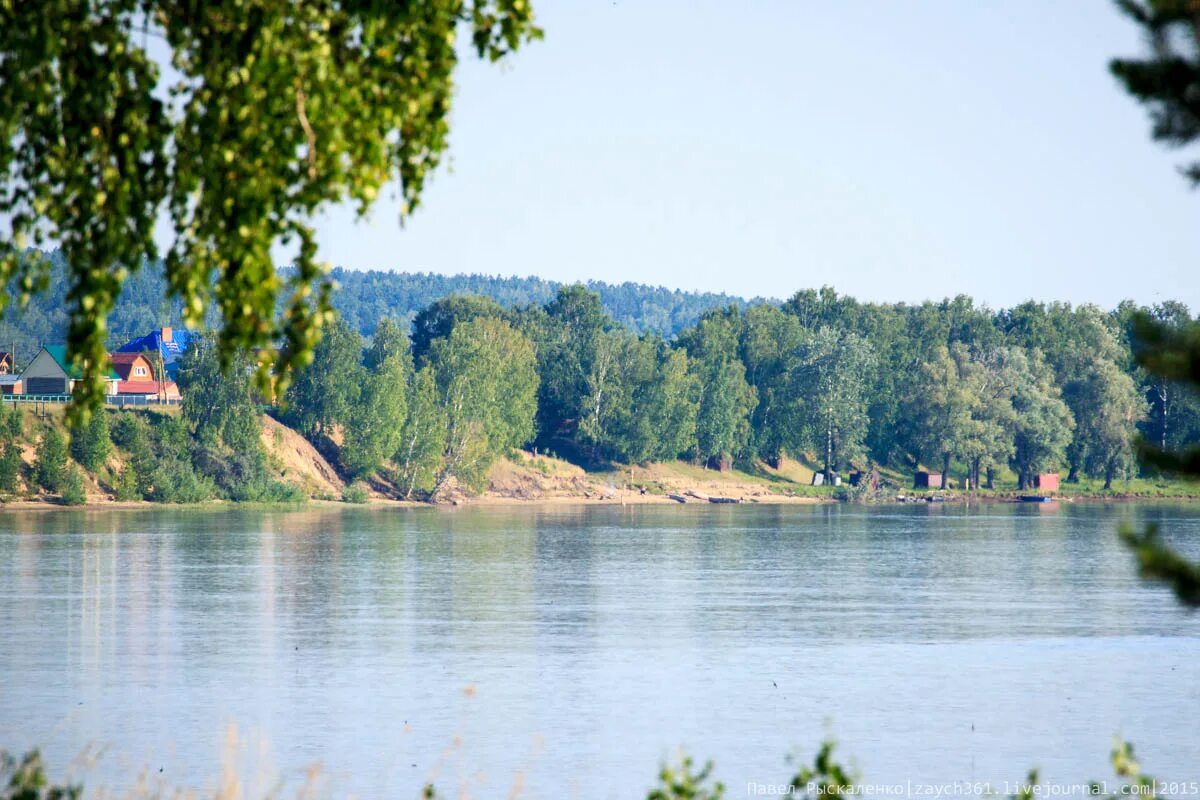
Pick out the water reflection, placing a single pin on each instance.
(594, 640)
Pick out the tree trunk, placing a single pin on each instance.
(720, 462)
(408, 470)
(1110, 470)
(945, 469)
(991, 478)
(1073, 474)
(1164, 404)
(1022, 480)
(828, 454)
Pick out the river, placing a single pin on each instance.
(565, 652)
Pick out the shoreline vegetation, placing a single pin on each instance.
(519, 478)
(817, 399)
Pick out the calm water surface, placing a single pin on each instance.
(568, 651)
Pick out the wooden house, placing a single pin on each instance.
(50, 373)
(137, 378)
(927, 480)
(132, 366)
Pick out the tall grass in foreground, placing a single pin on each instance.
(26, 779)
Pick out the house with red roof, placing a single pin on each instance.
(167, 342)
(137, 379)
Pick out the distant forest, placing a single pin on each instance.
(367, 297)
(363, 300)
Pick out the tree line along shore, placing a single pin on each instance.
(750, 401)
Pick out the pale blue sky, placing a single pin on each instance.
(896, 150)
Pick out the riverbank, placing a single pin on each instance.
(518, 484)
(300, 475)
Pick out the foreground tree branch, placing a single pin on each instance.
(275, 111)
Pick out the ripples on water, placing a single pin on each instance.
(934, 644)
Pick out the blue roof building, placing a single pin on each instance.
(169, 342)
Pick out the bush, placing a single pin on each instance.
(268, 490)
(50, 467)
(684, 782)
(177, 481)
(281, 492)
(27, 779)
(243, 476)
(73, 493)
(355, 493)
(128, 487)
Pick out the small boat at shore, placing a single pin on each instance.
(1035, 498)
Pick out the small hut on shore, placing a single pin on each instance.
(1047, 481)
(927, 480)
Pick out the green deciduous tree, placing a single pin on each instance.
(940, 405)
(271, 113)
(375, 423)
(324, 392)
(1042, 422)
(220, 412)
(574, 362)
(218, 404)
(176, 480)
(830, 382)
(641, 401)
(1106, 426)
(723, 416)
(487, 380)
(126, 487)
(1173, 419)
(987, 442)
(437, 320)
(388, 341)
(726, 400)
(423, 438)
(1076, 342)
(659, 422)
(607, 391)
(769, 343)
